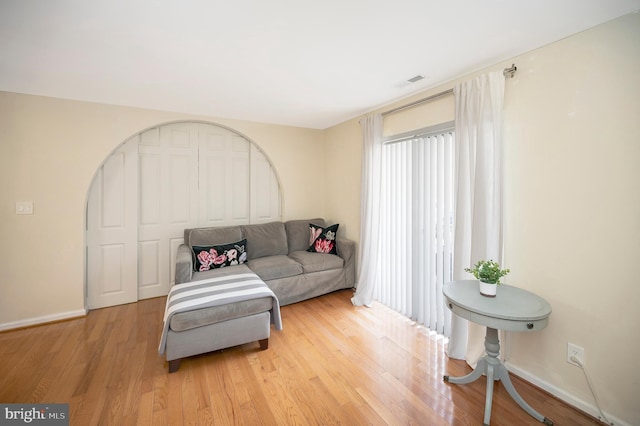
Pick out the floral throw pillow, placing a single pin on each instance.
(211, 257)
(323, 240)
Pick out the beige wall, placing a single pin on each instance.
(572, 155)
(573, 208)
(343, 180)
(49, 152)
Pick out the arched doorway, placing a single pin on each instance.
(158, 183)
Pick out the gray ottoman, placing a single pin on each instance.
(212, 328)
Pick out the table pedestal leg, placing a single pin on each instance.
(495, 370)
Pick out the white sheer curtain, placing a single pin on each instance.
(406, 232)
(370, 209)
(478, 194)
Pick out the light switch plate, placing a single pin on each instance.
(24, 207)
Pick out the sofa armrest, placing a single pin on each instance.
(347, 251)
(184, 264)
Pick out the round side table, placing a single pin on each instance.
(513, 309)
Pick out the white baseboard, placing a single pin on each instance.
(43, 320)
(564, 396)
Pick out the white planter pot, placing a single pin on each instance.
(487, 289)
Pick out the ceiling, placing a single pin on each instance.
(303, 63)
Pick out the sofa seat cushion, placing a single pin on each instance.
(205, 316)
(273, 267)
(315, 262)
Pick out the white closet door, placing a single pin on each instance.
(168, 182)
(112, 270)
(156, 185)
(224, 177)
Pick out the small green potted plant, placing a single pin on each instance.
(488, 273)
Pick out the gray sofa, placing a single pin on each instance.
(277, 253)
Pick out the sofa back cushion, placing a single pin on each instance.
(265, 239)
(212, 236)
(298, 233)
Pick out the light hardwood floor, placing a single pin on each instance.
(333, 363)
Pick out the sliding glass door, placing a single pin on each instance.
(417, 227)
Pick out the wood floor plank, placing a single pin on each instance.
(333, 363)
(145, 409)
(168, 408)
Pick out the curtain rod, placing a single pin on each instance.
(418, 102)
(506, 72)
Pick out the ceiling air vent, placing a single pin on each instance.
(416, 78)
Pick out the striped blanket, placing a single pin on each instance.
(216, 292)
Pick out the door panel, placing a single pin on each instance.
(112, 280)
(212, 193)
(238, 204)
(149, 261)
(224, 177)
(111, 231)
(182, 169)
(169, 202)
(149, 186)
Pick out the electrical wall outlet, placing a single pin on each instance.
(575, 351)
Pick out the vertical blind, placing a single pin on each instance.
(416, 219)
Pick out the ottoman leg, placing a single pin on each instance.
(264, 344)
